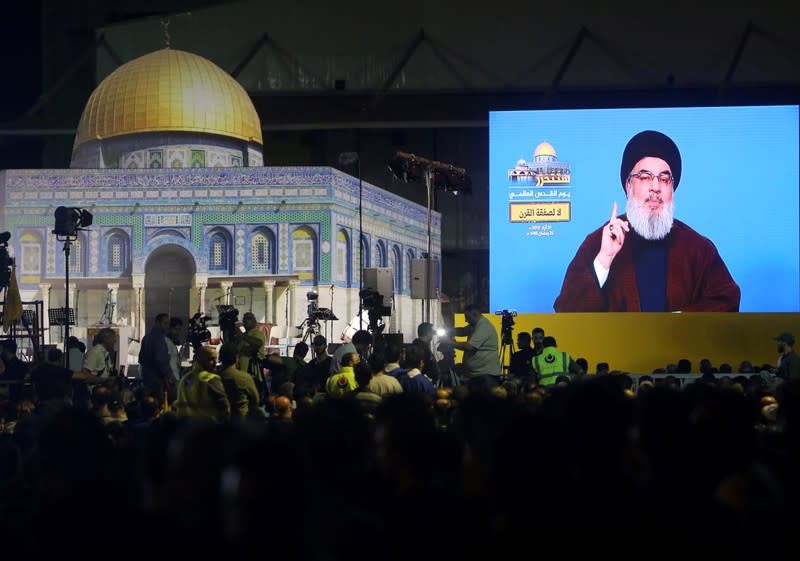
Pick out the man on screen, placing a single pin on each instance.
(646, 260)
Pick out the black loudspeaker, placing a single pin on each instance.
(393, 338)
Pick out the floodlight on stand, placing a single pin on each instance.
(70, 219)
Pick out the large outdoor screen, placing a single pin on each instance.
(656, 209)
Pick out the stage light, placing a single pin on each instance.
(70, 219)
(445, 177)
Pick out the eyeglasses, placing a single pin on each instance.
(645, 176)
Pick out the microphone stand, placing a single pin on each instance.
(328, 324)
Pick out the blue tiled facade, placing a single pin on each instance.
(147, 209)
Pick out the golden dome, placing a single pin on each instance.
(545, 149)
(169, 90)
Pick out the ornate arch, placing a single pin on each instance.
(410, 256)
(117, 249)
(305, 250)
(77, 255)
(262, 250)
(139, 262)
(220, 251)
(343, 258)
(31, 253)
(365, 252)
(396, 262)
(379, 258)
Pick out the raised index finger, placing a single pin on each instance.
(613, 212)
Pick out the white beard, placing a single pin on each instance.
(650, 226)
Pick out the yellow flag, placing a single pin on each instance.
(12, 309)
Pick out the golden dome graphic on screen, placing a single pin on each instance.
(545, 149)
(545, 169)
(168, 108)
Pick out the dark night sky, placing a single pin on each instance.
(20, 67)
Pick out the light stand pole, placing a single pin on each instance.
(426, 314)
(361, 251)
(65, 316)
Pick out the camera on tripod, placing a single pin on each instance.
(198, 333)
(507, 324)
(228, 316)
(315, 313)
(372, 302)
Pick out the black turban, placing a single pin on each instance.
(655, 145)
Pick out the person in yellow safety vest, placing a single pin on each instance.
(548, 365)
(201, 392)
(344, 381)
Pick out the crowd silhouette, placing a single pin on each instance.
(596, 462)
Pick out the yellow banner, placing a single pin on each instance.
(539, 212)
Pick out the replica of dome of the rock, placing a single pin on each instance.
(169, 109)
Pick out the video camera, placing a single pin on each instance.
(313, 299)
(315, 313)
(228, 316)
(372, 300)
(507, 325)
(198, 333)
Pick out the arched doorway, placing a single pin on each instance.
(167, 284)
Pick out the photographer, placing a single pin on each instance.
(521, 366)
(251, 345)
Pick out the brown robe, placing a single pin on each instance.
(697, 278)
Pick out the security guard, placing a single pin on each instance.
(201, 392)
(551, 362)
